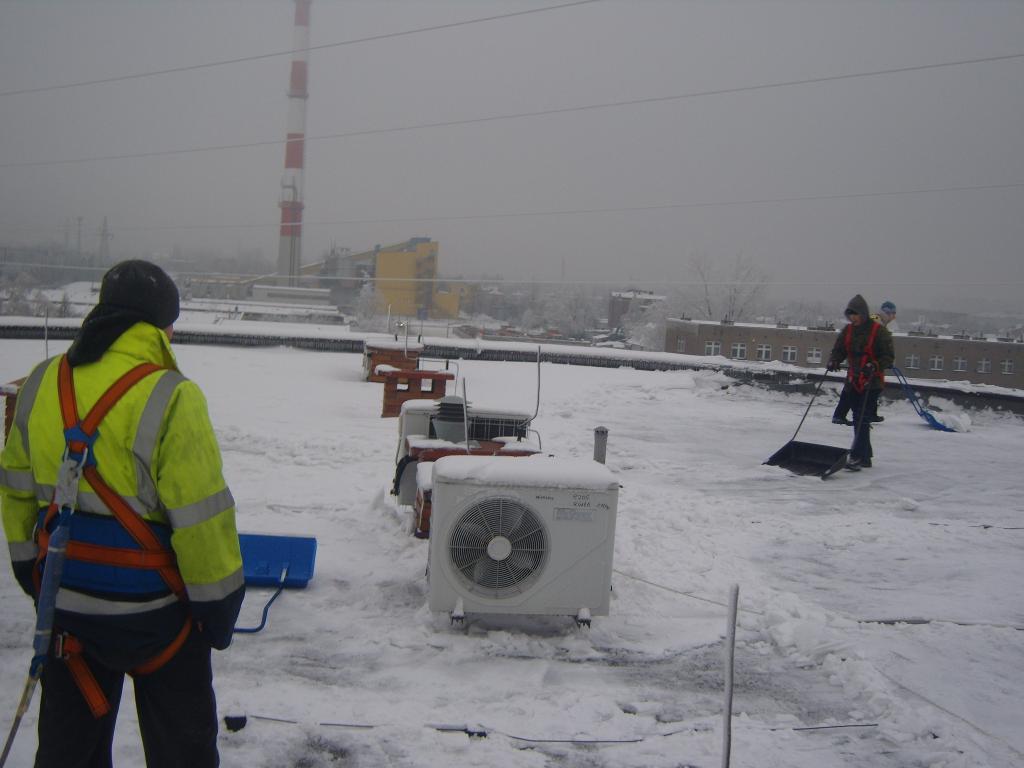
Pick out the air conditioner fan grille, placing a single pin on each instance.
(498, 546)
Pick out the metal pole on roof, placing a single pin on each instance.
(537, 409)
(600, 444)
(730, 658)
(465, 414)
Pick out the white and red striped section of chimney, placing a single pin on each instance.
(289, 255)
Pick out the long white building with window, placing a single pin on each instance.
(975, 359)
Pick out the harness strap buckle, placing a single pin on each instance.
(65, 493)
(79, 444)
(61, 649)
(69, 650)
(66, 646)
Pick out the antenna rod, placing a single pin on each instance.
(465, 414)
(537, 409)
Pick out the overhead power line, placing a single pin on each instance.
(276, 54)
(554, 212)
(517, 115)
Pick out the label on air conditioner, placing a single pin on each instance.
(574, 514)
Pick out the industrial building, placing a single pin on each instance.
(977, 359)
(404, 277)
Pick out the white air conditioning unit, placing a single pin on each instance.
(417, 422)
(530, 536)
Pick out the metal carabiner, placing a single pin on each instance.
(65, 493)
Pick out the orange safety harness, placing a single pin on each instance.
(79, 435)
(855, 373)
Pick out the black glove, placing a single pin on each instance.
(832, 366)
(216, 618)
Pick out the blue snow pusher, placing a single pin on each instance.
(270, 561)
(915, 401)
(275, 561)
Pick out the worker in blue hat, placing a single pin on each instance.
(886, 313)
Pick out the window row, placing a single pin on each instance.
(938, 363)
(763, 352)
(738, 351)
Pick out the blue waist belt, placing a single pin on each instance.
(94, 577)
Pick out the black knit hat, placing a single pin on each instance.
(142, 287)
(132, 292)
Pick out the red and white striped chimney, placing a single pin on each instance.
(289, 255)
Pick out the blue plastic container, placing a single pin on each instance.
(264, 557)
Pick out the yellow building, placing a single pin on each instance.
(406, 281)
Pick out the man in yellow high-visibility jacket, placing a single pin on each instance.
(156, 450)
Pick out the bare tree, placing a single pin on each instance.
(41, 304)
(16, 294)
(744, 289)
(569, 311)
(703, 270)
(730, 294)
(366, 306)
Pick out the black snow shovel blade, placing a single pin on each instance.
(809, 458)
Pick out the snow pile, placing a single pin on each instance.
(948, 415)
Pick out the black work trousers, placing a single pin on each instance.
(842, 410)
(846, 398)
(864, 406)
(176, 707)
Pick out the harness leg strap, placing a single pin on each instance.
(69, 649)
(153, 664)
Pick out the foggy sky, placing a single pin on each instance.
(935, 128)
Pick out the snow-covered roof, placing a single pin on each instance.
(530, 472)
(838, 581)
(419, 406)
(475, 412)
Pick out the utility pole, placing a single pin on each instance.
(78, 246)
(105, 236)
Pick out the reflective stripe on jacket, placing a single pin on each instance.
(156, 449)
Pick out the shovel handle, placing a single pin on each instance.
(808, 410)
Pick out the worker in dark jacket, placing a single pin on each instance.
(866, 345)
(886, 315)
(156, 465)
